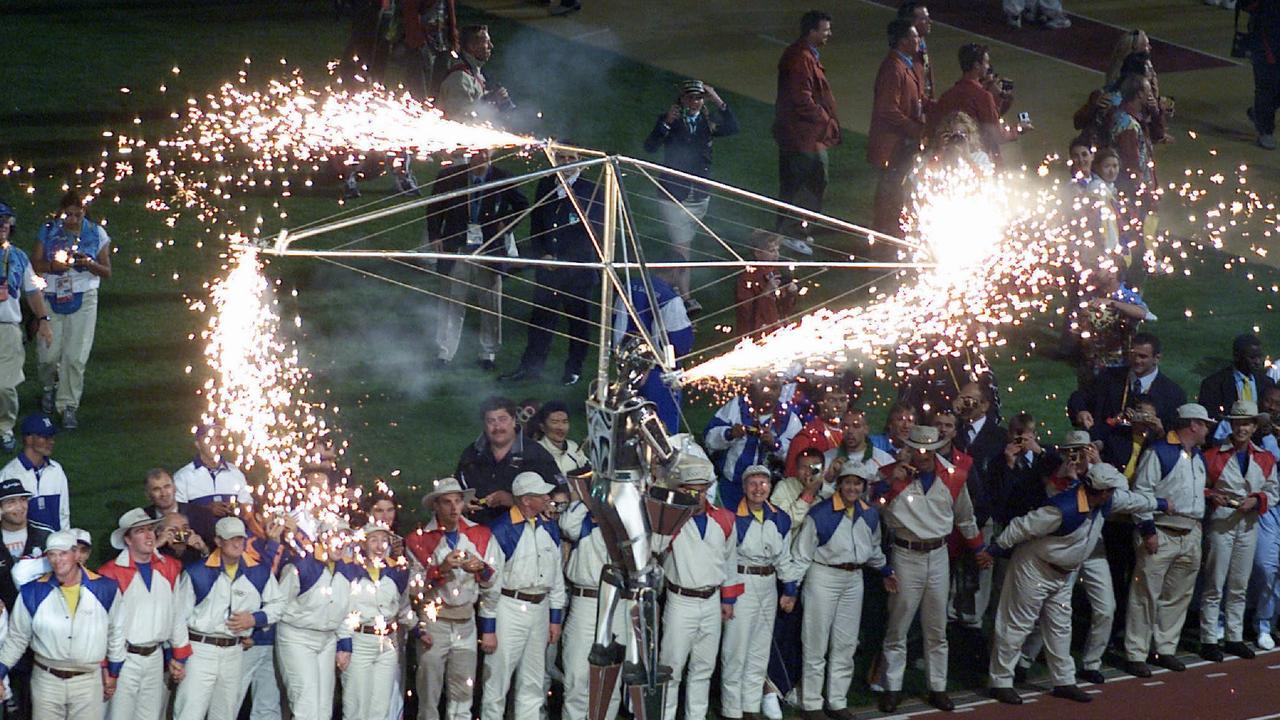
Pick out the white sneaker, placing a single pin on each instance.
(770, 706)
(1267, 142)
(802, 247)
(1059, 22)
(1265, 641)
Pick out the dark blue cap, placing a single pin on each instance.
(38, 424)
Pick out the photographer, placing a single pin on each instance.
(176, 539)
(975, 94)
(465, 94)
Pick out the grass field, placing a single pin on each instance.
(369, 342)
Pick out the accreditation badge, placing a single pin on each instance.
(475, 238)
(62, 289)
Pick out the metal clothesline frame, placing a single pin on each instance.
(617, 233)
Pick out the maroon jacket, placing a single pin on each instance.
(895, 113)
(805, 114)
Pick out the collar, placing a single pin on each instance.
(837, 504)
(1228, 447)
(814, 50)
(84, 578)
(1082, 499)
(22, 458)
(471, 60)
(1147, 379)
(249, 559)
(744, 510)
(518, 518)
(1241, 376)
(125, 560)
(977, 425)
(904, 58)
(434, 526)
(199, 464)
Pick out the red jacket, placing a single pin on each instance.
(758, 307)
(896, 112)
(805, 113)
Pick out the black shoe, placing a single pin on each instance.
(486, 364)
(1239, 649)
(1019, 674)
(1169, 662)
(570, 378)
(1008, 696)
(1093, 677)
(1137, 668)
(889, 700)
(1071, 692)
(1211, 652)
(940, 700)
(520, 375)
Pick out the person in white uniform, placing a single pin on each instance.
(222, 599)
(922, 497)
(530, 608)
(1164, 576)
(149, 614)
(19, 280)
(701, 568)
(70, 620)
(379, 601)
(838, 538)
(1048, 547)
(41, 475)
(1241, 480)
(461, 566)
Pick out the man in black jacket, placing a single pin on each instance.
(1103, 400)
(22, 539)
(478, 223)
(1245, 379)
(684, 133)
(567, 204)
(491, 463)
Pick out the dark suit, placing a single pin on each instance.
(1218, 391)
(557, 230)
(985, 449)
(1110, 391)
(1020, 489)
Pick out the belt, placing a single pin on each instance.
(377, 630)
(920, 545)
(211, 640)
(851, 567)
(63, 674)
(534, 598)
(689, 592)
(455, 621)
(594, 594)
(143, 650)
(755, 569)
(1174, 530)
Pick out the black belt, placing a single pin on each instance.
(63, 674)
(377, 630)
(851, 567)
(1174, 530)
(594, 594)
(755, 569)
(211, 640)
(534, 598)
(689, 592)
(920, 545)
(142, 650)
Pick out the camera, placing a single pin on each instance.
(1006, 86)
(815, 468)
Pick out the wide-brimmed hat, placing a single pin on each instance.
(924, 437)
(1075, 439)
(136, 517)
(444, 486)
(1193, 411)
(13, 488)
(1243, 410)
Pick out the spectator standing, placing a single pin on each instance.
(685, 133)
(566, 224)
(1105, 399)
(69, 620)
(465, 94)
(897, 426)
(148, 612)
(824, 432)
(431, 37)
(19, 281)
(1169, 554)
(491, 463)
(175, 538)
(746, 431)
(1265, 21)
(472, 224)
(73, 255)
(552, 424)
(1132, 141)
(970, 96)
(897, 123)
(1245, 379)
(162, 493)
(764, 296)
(917, 11)
(41, 475)
(805, 126)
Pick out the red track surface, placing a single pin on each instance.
(1086, 43)
(1232, 690)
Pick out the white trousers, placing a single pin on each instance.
(77, 698)
(1160, 594)
(690, 641)
(519, 661)
(139, 691)
(63, 361)
(447, 667)
(466, 280)
(744, 660)
(307, 669)
(575, 644)
(829, 634)
(211, 687)
(1033, 592)
(1228, 561)
(258, 671)
(1095, 576)
(1051, 8)
(12, 357)
(367, 681)
(923, 581)
(682, 228)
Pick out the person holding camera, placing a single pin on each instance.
(764, 296)
(465, 94)
(748, 430)
(176, 539)
(73, 255)
(976, 95)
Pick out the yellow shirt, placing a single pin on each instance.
(1131, 467)
(375, 572)
(71, 593)
(759, 514)
(230, 569)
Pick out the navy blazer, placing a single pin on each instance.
(447, 221)
(1107, 395)
(1218, 391)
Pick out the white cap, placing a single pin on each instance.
(1193, 411)
(82, 536)
(230, 527)
(61, 540)
(530, 483)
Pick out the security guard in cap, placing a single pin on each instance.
(19, 280)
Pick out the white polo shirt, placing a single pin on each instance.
(50, 503)
(198, 483)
